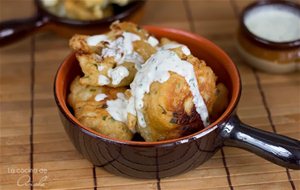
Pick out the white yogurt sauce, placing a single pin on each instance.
(121, 47)
(118, 74)
(276, 23)
(152, 41)
(100, 67)
(168, 46)
(135, 58)
(100, 97)
(130, 106)
(157, 68)
(49, 3)
(96, 39)
(120, 107)
(103, 80)
(117, 108)
(128, 39)
(186, 50)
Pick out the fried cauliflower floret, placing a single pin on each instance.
(112, 59)
(87, 9)
(169, 110)
(94, 71)
(89, 105)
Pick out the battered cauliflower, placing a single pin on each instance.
(112, 59)
(89, 104)
(132, 82)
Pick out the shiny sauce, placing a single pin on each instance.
(157, 69)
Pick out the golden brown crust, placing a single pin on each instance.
(143, 49)
(119, 27)
(78, 44)
(164, 109)
(221, 102)
(89, 64)
(169, 110)
(93, 114)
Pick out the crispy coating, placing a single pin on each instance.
(92, 113)
(169, 110)
(164, 41)
(89, 64)
(90, 57)
(118, 27)
(79, 45)
(221, 102)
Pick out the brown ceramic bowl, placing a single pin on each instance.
(13, 30)
(171, 157)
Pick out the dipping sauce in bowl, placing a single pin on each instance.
(275, 23)
(269, 36)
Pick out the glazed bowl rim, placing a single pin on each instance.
(262, 41)
(235, 95)
(133, 7)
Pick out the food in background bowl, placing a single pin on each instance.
(82, 9)
(169, 92)
(45, 20)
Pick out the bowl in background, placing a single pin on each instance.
(14, 30)
(267, 53)
(172, 157)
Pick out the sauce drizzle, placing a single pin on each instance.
(157, 68)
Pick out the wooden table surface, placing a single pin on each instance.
(33, 138)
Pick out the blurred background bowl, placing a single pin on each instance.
(264, 54)
(14, 30)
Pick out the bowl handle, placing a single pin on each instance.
(279, 149)
(14, 30)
